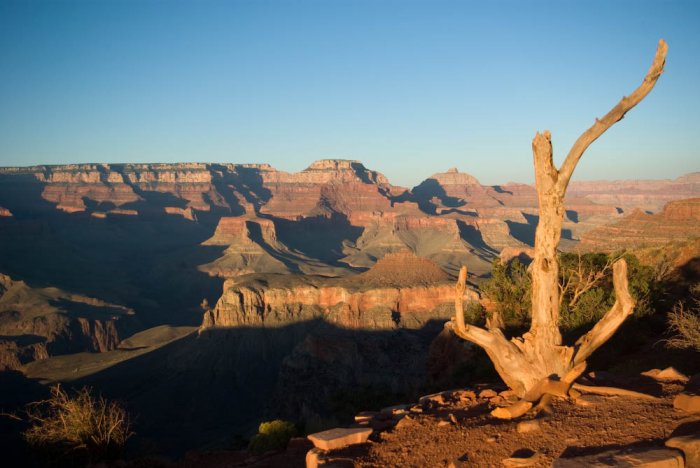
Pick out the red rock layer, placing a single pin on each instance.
(679, 220)
(251, 305)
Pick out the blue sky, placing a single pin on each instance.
(408, 87)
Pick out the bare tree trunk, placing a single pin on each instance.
(528, 364)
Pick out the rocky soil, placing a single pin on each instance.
(454, 429)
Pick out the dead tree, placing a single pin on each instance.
(537, 363)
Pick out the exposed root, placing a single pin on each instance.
(613, 391)
(513, 411)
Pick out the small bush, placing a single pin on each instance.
(272, 436)
(509, 290)
(684, 323)
(78, 428)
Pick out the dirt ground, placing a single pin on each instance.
(454, 430)
(471, 437)
(461, 433)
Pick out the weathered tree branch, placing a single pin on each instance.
(615, 115)
(466, 331)
(537, 365)
(581, 281)
(608, 325)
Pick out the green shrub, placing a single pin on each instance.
(509, 290)
(77, 429)
(272, 436)
(586, 288)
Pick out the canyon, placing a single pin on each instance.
(283, 289)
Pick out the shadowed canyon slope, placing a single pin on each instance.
(157, 239)
(285, 290)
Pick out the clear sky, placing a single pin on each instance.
(408, 87)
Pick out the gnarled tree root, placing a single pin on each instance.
(613, 391)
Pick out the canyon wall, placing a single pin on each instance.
(332, 218)
(36, 323)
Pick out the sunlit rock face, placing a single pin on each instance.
(678, 221)
(332, 217)
(401, 290)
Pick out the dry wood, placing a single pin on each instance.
(581, 280)
(526, 362)
(613, 391)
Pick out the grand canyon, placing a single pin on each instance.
(240, 293)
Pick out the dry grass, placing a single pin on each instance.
(684, 323)
(92, 427)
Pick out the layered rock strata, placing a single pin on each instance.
(679, 221)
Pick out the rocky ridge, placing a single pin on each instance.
(450, 218)
(678, 221)
(401, 290)
(36, 323)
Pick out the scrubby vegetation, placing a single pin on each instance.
(585, 283)
(684, 321)
(77, 429)
(272, 436)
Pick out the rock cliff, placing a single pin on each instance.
(364, 336)
(332, 217)
(402, 290)
(679, 220)
(38, 323)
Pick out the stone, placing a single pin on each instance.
(646, 457)
(339, 437)
(365, 416)
(404, 422)
(314, 458)
(396, 409)
(525, 427)
(498, 400)
(443, 423)
(666, 375)
(517, 462)
(435, 398)
(508, 394)
(487, 393)
(690, 446)
(687, 403)
(463, 395)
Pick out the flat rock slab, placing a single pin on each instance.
(687, 403)
(365, 416)
(340, 437)
(638, 457)
(666, 375)
(690, 446)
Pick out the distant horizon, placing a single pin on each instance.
(416, 86)
(364, 164)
